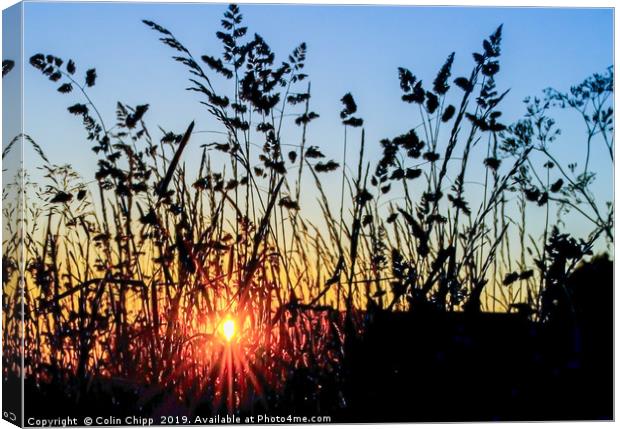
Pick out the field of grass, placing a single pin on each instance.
(151, 289)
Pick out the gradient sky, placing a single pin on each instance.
(350, 48)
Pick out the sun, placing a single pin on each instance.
(228, 329)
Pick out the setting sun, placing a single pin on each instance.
(228, 328)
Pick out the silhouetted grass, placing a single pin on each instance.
(130, 274)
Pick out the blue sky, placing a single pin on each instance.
(350, 48)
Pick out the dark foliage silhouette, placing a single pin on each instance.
(411, 286)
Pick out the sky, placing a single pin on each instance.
(353, 49)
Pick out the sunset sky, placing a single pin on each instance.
(189, 236)
(350, 49)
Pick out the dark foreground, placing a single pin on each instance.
(426, 366)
